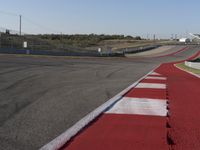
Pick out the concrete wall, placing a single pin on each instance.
(195, 65)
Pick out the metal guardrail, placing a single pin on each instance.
(119, 53)
(58, 53)
(137, 49)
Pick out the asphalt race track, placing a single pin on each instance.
(41, 97)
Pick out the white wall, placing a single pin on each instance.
(195, 65)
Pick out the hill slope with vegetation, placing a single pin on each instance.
(76, 42)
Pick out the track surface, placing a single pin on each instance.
(42, 97)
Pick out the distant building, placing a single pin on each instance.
(7, 31)
(196, 36)
(184, 40)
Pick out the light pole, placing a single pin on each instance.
(20, 25)
(0, 39)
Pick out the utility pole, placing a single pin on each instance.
(61, 40)
(175, 36)
(147, 36)
(172, 37)
(20, 25)
(0, 39)
(154, 37)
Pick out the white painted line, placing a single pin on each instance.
(160, 101)
(156, 78)
(151, 85)
(155, 73)
(62, 139)
(140, 106)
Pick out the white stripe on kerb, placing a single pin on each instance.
(151, 85)
(157, 78)
(140, 106)
(155, 73)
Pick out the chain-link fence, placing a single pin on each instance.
(12, 39)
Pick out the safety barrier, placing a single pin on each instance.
(195, 65)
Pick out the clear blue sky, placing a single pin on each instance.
(130, 17)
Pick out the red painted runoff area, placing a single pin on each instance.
(123, 132)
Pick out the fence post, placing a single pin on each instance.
(0, 39)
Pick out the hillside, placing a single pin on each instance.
(76, 42)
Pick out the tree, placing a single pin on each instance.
(138, 38)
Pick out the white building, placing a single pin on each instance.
(184, 40)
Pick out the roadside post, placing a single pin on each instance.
(110, 51)
(25, 45)
(0, 39)
(99, 51)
